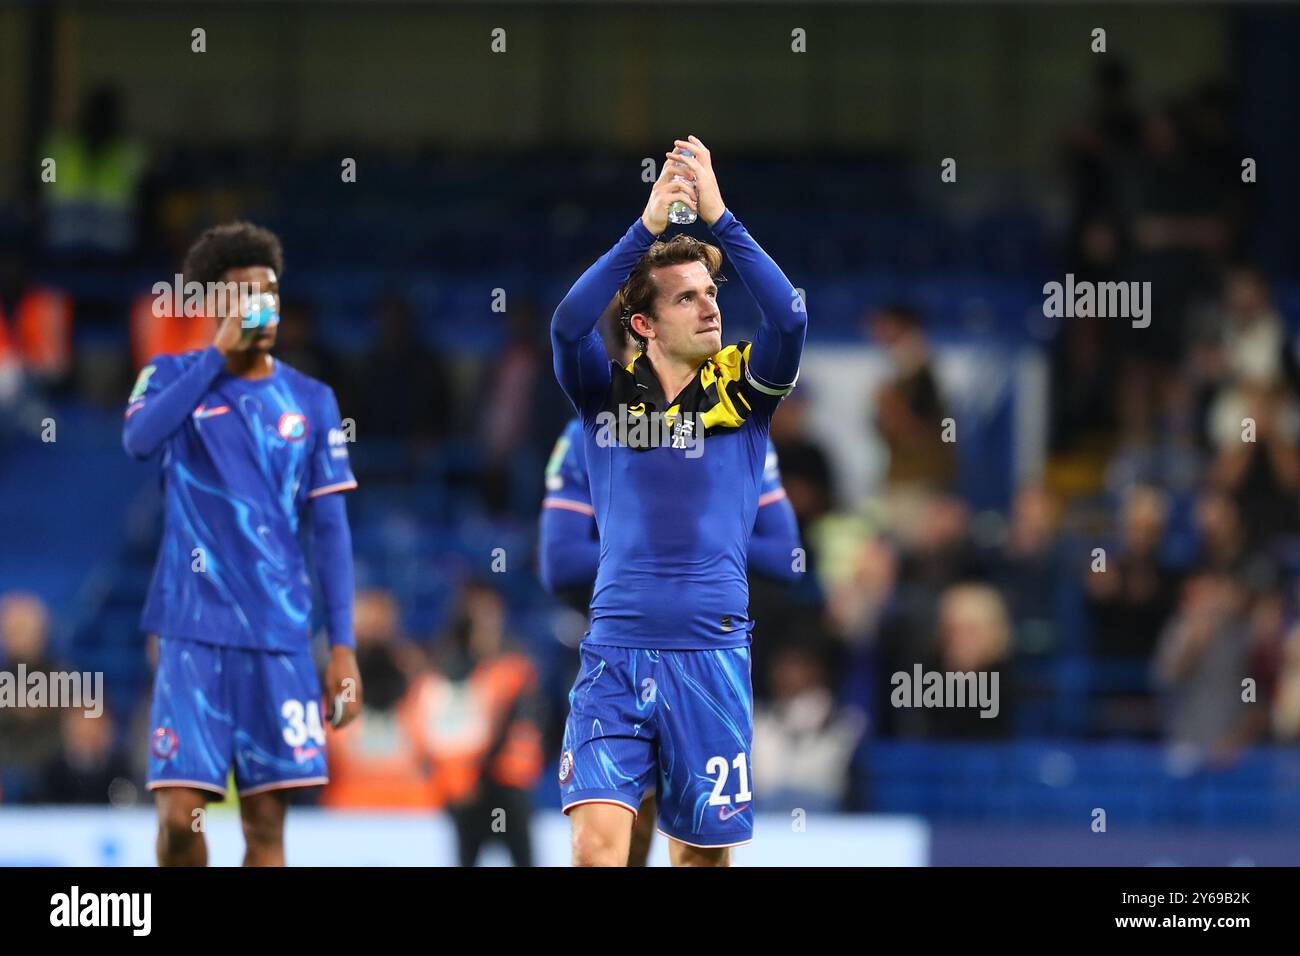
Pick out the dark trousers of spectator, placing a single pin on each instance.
(496, 812)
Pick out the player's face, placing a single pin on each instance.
(689, 323)
(259, 279)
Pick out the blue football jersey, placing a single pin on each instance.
(675, 521)
(567, 484)
(237, 479)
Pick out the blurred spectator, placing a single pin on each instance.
(1200, 662)
(92, 204)
(11, 373)
(1084, 386)
(1241, 341)
(1243, 336)
(1132, 598)
(1097, 147)
(13, 377)
(1265, 660)
(974, 637)
(803, 741)
(1255, 430)
(936, 551)
(909, 407)
(476, 715)
(806, 471)
(1175, 210)
(858, 601)
(1221, 535)
(863, 615)
(1030, 569)
(29, 736)
(510, 397)
(790, 612)
(88, 768)
(400, 387)
(375, 761)
(1158, 442)
(298, 344)
(1285, 706)
(1084, 359)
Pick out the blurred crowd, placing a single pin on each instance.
(1144, 586)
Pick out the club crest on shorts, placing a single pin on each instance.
(293, 426)
(566, 768)
(163, 743)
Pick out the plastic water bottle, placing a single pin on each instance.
(679, 213)
(260, 312)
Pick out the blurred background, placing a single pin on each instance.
(512, 169)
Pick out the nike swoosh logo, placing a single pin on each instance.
(724, 816)
(204, 412)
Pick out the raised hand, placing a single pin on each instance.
(666, 191)
(700, 167)
(232, 336)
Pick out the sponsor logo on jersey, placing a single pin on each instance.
(164, 743)
(293, 426)
(338, 442)
(726, 813)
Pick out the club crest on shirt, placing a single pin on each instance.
(566, 768)
(163, 744)
(293, 426)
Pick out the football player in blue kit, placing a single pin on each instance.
(253, 458)
(569, 541)
(675, 445)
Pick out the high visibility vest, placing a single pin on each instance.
(109, 176)
(42, 334)
(375, 764)
(91, 198)
(165, 334)
(456, 723)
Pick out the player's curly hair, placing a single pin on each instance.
(638, 292)
(233, 245)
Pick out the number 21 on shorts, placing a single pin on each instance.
(719, 766)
